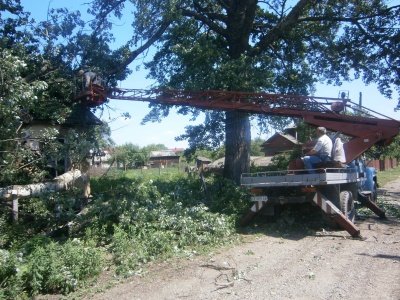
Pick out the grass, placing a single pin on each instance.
(384, 177)
(139, 173)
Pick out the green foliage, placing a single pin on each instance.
(154, 147)
(391, 151)
(280, 161)
(227, 197)
(305, 132)
(163, 216)
(51, 267)
(130, 155)
(102, 137)
(192, 153)
(133, 156)
(256, 147)
(31, 154)
(215, 153)
(133, 219)
(38, 62)
(10, 282)
(17, 98)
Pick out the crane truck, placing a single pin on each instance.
(333, 187)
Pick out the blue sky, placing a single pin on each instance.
(130, 131)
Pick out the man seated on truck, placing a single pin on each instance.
(321, 151)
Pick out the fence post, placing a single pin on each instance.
(381, 165)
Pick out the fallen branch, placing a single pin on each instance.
(61, 182)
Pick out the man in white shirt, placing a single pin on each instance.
(89, 77)
(321, 151)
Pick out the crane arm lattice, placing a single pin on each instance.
(261, 103)
(316, 111)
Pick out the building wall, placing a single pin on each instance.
(163, 161)
(277, 145)
(33, 131)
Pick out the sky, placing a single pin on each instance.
(131, 131)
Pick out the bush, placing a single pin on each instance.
(135, 219)
(156, 219)
(50, 268)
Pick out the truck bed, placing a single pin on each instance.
(300, 178)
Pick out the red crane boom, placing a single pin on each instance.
(366, 127)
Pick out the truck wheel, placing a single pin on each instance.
(347, 205)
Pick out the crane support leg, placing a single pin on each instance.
(329, 208)
(258, 205)
(365, 200)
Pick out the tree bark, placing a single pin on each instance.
(240, 21)
(238, 138)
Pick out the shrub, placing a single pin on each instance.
(150, 219)
(48, 268)
(135, 219)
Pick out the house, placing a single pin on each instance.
(201, 162)
(177, 150)
(80, 118)
(102, 159)
(278, 143)
(163, 158)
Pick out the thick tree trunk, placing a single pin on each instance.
(240, 21)
(238, 138)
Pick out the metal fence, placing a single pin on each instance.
(383, 164)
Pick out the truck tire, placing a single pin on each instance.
(347, 205)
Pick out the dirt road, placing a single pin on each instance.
(301, 265)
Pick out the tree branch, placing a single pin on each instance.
(163, 27)
(276, 32)
(378, 43)
(45, 69)
(207, 21)
(102, 16)
(223, 4)
(348, 19)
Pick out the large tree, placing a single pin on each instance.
(273, 46)
(38, 65)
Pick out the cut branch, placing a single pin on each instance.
(61, 182)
